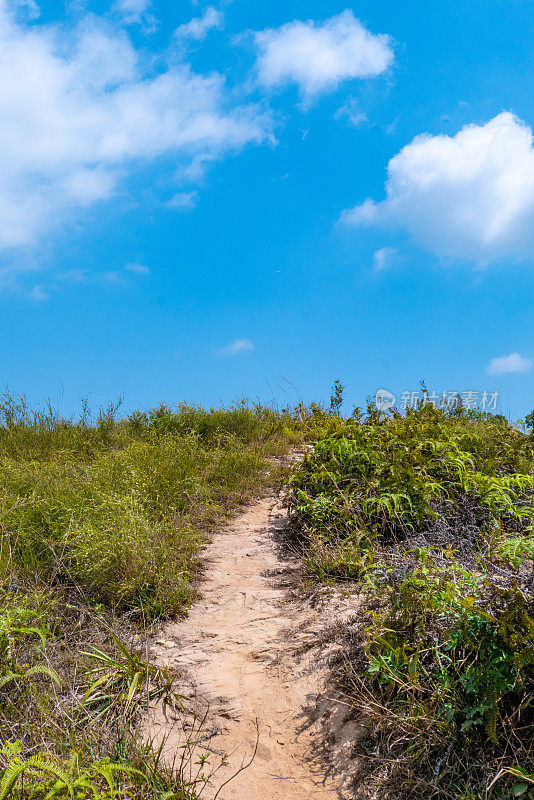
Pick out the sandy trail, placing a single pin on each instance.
(239, 644)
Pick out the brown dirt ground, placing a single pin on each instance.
(255, 657)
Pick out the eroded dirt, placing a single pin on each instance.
(256, 665)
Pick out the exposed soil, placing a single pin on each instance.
(255, 656)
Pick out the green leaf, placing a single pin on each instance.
(41, 669)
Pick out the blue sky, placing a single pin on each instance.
(193, 200)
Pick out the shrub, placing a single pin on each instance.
(431, 513)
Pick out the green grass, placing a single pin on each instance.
(119, 508)
(430, 515)
(102, 522)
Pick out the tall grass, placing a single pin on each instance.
(119, 507)
(101, 525)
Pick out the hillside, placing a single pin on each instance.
(378, 637)
(429, 517)
(102, 524)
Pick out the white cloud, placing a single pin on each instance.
(352, 112)
(196, 169)
(237, 346)
(27, 8)
(184, 201)
(512, 363)
(80, 113)
(135, 12)
(382, 258)
(198, 27)
(469, 196)
(140, 269)
(38, 293)
(318, 56)
(112, 276)
(74, 276)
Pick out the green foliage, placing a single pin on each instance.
(124, 681)
(441, 651)
(336, 397)
(119, 507)
(72, 745)
(22, 648)
(516, 549)
(385, 477)
(45, 775)
(431, 513)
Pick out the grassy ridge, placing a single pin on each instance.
(431, 514)
(101, 523)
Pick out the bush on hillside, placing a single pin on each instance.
(431, 513)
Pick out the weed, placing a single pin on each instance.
(124, 681)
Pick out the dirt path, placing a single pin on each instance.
(239, 647)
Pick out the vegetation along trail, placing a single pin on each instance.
(239, 644)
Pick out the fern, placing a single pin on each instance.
(45, 775)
